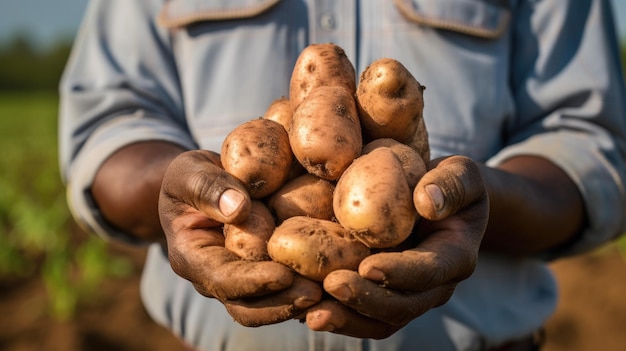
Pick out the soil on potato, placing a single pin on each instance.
(591, 315)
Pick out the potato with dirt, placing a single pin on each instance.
(280, 111)
(390, 103)
(325, 134)
(258, 153)
(412, 163)
(373, 200)
(324, 64)
(315, 247)
(248, 239)
(306, 195)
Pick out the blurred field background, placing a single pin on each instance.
(64, 289)
(60, 288)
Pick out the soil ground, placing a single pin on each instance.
(591, 315)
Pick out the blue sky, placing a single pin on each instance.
(47, 21)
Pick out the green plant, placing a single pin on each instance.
(620, 244)
(37, 234)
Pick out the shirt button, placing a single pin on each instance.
(327, 21)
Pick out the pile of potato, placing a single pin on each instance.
(332, 169)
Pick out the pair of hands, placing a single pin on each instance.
(389, 289)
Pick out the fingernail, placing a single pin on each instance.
(319, 321)
(436, 196)
(328, 327)
(374, 274)
(303, 302)
(282, 282)
(340, 292)
(230, 201)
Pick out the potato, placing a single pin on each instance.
(280, 111)
(320, 65)
(373, 200)
(412, 163)
(419, 141)
(306, 195)
(325, 133)
(297, 169)
(315, 247)
(390, 104)
(257, 153)
(248, 239)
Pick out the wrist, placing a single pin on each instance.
(126, 188)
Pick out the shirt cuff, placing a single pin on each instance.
(110, 137)
(595, 176)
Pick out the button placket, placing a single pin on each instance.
(334, 22)
(327, 21)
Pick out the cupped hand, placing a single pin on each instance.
(197, 197)
(391, 289)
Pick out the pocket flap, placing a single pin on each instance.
(180, 13)
(480, 18)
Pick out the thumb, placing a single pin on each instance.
(197, 179)
(452, 184)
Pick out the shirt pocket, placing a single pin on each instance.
(233, 58)
(181, 13)
(487, 19)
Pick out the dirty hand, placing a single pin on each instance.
(197, 197)
(392, 288)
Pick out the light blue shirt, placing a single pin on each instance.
(503, 78)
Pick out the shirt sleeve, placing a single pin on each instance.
(119, 87)
(570, 97)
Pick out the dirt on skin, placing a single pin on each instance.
(590, 316)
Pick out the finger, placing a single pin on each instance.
(217, 272)
(197, 179)
(420, 269)
(277, 307)
(448, 253)
(452, 184)
(381, 303)
(332, 316)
